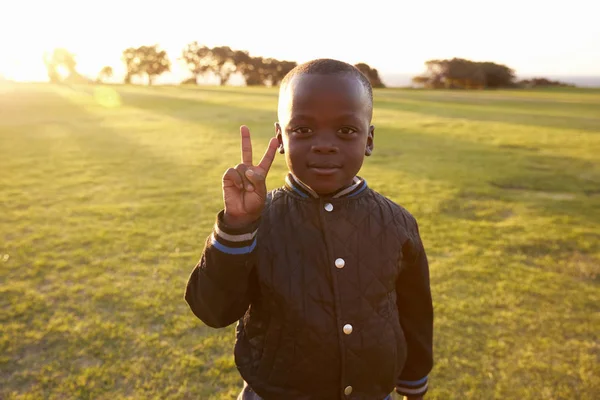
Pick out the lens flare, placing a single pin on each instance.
(107, 97)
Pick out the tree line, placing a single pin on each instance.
(459, 73)
(222, 62)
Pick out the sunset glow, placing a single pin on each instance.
(532, 37)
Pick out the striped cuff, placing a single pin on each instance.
(233, 241)
(412, 388)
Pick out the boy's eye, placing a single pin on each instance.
(303, 130)
(346, 130)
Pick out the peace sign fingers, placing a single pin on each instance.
(268, 157)
(244, 187)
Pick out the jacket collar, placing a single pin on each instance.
(294, 185)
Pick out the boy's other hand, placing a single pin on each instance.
(244, 187)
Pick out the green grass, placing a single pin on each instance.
(106, 199)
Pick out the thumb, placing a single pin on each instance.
(256, 179)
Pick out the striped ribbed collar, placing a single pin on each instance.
(294, 185)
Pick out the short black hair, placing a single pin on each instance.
(328, 66)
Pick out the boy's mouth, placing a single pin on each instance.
(324, 168)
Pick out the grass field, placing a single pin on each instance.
(108, 193)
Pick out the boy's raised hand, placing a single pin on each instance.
(244, 187)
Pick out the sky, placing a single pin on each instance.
(560, 38)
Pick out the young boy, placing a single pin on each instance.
(328, 279)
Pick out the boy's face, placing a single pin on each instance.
(325, 129)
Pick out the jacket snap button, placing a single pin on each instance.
(328, 207)
(347, 330)
(348, 390)
(339, 263)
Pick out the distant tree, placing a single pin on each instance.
(146, 60)
(189, 81)
(261, 71)
(218, 60)
(198, 59)
(371, 73)
(60, 60)
(464, 74)
(132, 63)
(276, 70)
(420, 80)
(105, 73)
(436, 70)
(251, 68)
(542, 82)
(284, 68)
(497, 75)
(222, 63)
(458, 73)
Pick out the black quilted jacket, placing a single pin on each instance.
(331, 294)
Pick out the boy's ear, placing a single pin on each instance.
(279, 136)
(370, 140)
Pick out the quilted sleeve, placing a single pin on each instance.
(221, 285)
(416, 317)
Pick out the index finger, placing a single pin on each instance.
(267, 160)
(246, 146)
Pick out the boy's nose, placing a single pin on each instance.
(324, 148)
(324, 145)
